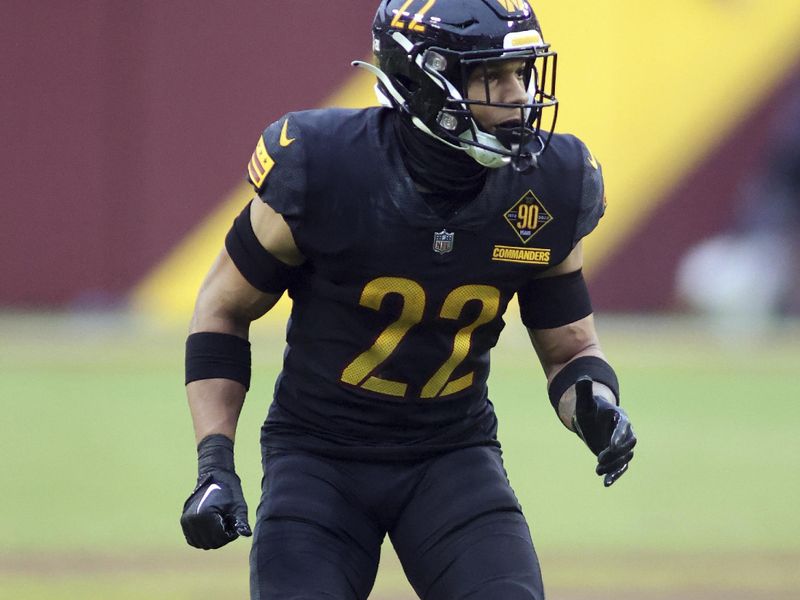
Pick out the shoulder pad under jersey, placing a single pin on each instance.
(592, 202)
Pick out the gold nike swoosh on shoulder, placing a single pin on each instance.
(592, 161)
(285, 139)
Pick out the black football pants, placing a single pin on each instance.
(453, 520)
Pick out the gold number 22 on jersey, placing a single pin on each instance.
(357, 373)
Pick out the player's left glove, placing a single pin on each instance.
(606, 430)
(215, 512)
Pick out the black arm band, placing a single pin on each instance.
(596, 368)
(550, 302)
(256, 264)
(217, 355)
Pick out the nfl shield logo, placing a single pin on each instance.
(443, 242)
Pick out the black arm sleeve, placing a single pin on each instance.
(550, 302)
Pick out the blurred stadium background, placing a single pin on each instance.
(126, 130)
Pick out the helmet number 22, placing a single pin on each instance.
(359, 371)
(415, 23)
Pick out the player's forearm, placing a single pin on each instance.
(217, 368)
(215, 405)
(561, 347)
(217, 375)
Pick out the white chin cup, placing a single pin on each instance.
(487, 158)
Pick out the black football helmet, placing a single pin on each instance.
(426, 51)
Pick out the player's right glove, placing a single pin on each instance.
(215, 513)
(606, 430)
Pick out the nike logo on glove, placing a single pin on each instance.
(212, 488)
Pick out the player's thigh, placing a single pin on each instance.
(463, 534)
(313, 538)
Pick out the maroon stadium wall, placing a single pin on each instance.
(122, 123)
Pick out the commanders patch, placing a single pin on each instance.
(260, 165)
(527, 216)
(520, 254)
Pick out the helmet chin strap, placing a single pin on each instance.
(484, 156)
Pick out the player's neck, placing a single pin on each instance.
(436, 168)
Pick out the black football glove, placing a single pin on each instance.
(215, 513)
(606, 429)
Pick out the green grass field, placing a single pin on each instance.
(97, 455)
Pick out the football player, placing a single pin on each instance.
(401, 233)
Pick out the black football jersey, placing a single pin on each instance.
(396, 309)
